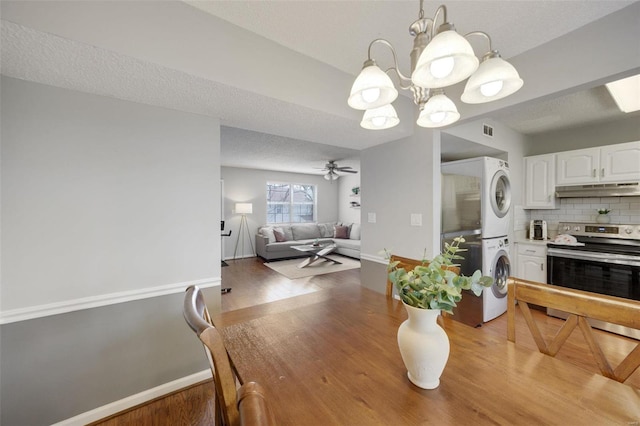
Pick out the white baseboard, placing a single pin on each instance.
(376, 259)
(133, 400)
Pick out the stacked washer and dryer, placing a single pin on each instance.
(476, 204)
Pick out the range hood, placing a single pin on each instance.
(602, 190)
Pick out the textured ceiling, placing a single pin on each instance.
(278, 70)
(339, 32)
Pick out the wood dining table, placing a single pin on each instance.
(331, 358)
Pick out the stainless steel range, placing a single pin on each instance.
(606, 261)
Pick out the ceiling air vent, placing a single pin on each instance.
(487, 130)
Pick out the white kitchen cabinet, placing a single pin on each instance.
(531, 261)
(540, 182)
(578, 167)
(607, 164)
(620, 163)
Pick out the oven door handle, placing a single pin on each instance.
(618, 259)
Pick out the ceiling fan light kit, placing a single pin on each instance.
(331, 175)
(440, 58)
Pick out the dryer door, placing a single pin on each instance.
(501, 269)
(500, 193)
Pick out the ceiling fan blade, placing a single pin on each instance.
(348, 171)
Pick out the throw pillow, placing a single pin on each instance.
(280, 237)
(268, 232)
(354, 233)
(326, 229)
(341, 232)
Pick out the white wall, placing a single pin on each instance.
(250, 186)
(109, 208)
(347, 213)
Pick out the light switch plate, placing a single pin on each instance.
(371, 217)
(416, 219)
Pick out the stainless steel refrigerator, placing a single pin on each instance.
(461, 217)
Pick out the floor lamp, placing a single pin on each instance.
(244, 209)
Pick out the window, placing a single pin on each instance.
(291, 203)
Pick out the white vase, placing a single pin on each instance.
(424, 347)
(603, 218)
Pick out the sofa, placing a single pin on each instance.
(274, 242)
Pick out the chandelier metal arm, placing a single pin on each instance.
(405, 82)
(490, 53)
(479, 33)
(441, 9)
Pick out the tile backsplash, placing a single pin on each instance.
(624, 210)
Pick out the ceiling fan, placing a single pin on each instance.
(332, 170)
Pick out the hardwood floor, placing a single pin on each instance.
(253, 283)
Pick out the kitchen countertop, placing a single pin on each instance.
(535, 242)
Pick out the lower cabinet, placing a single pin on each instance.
(531, 261)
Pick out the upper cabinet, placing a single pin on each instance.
(612, 163)
(539, 181)
(620, 163)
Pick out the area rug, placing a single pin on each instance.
(289, 268)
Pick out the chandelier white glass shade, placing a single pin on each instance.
(448, 59)
(384, 117)
(440, 58)
(372, 89)
(438, 111)
(494, 79)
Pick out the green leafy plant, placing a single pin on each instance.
(431, 285)
(603, 211)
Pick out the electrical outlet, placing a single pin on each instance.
(371, 217)
(416, 219)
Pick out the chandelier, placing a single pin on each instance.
(440, 58)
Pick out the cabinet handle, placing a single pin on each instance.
(530, 251)
(542, 267)
(593, 173)
(602, 172)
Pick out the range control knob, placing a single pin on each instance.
(628, 231)
(577, 228)
(567, 228)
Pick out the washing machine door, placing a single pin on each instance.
(500, 273)
(500, 192)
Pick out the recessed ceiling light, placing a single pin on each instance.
(626, 93)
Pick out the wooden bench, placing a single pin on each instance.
(580, 305)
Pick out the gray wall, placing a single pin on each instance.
(619, 131)
(249, 186)
(100, 197)
(399, 179)
(405, 175)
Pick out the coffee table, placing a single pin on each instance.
(315, 253)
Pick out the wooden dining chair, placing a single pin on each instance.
(244, 406)
(252, 405)
(407, 264)
(580, 305)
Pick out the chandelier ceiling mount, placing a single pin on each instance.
(440, 58)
